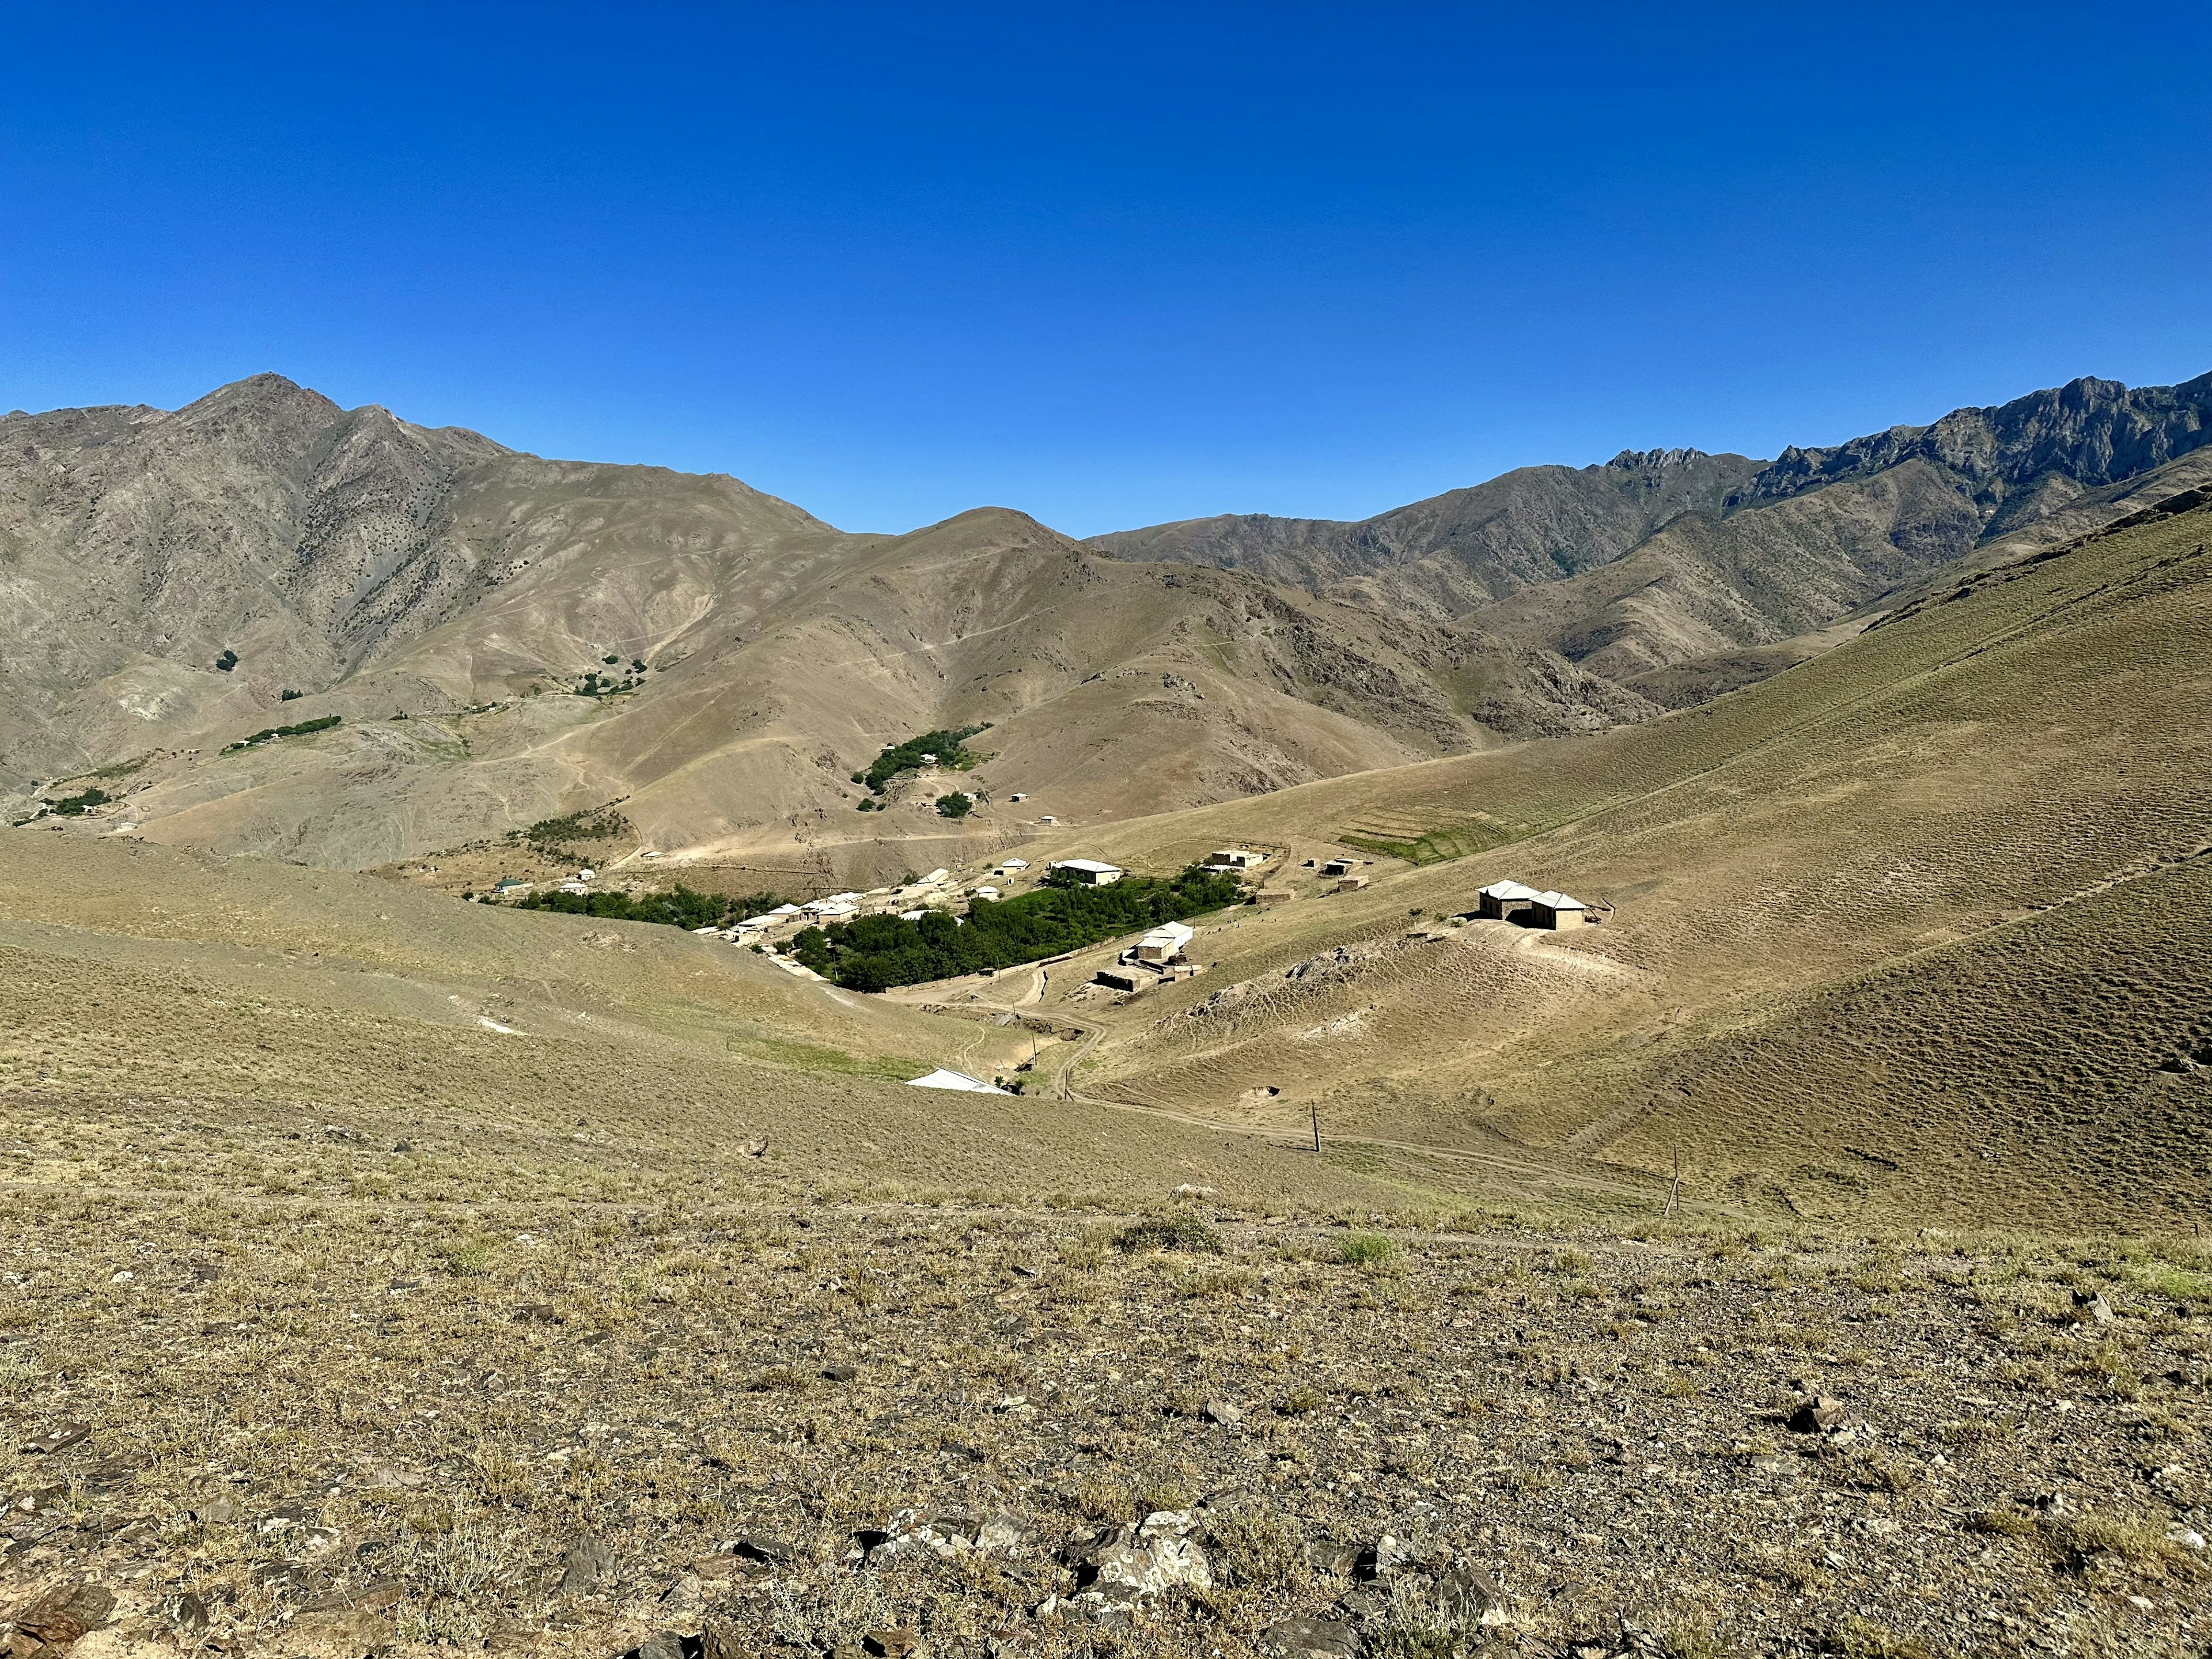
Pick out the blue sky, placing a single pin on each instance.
(1110, 263)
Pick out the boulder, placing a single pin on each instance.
(66, 1612)
(1384, 1558)
(1124, 1566)
(1308, 1636)
(584, 1565)
(1816, 1415)
(1326, 1555)
(684, 1600)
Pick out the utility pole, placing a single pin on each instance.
(1674, 1193)
(1317, 1123)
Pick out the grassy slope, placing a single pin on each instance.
(264, 996)
(1940, 781)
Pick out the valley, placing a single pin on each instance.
(1800, 1255)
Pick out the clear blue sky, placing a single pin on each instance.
(1109, 264)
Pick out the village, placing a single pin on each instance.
(1159, 955)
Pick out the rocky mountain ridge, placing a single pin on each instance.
(1659, 560)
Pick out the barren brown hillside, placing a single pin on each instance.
(1913, 928)
(506, 638)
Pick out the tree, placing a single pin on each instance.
(955, 806)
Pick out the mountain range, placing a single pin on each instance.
(503, 638)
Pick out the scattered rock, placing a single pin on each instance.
(1122, 1566)
(663, 1644)
(2188, 1538)
(66, 1612)
(895, 1643)
(684, 1600)
(59, 1439)
(1384, 1558)
(1167, 1524)
(1001, 1532)
(185, 1611)
(1326, 1555)
(216, 1503)
(909, 1531)
(1221, 1412)
(374, 1596)
(1816, 1415)
(774, 1550)
(587, 1559)
(1307, 1636)
(1470, 1594)
(841, 1373)
(537, 1312)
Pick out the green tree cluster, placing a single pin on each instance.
(267, 734)
(949, 747)
(681, 909)
(873, 953)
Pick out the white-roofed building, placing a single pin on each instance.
(1502, 899)
(1533, 906)
(1093, 872)
(1165, 943)
(1557, 910)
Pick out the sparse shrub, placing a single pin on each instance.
(777, 1379)
(1425, 1621)
(1691, 1642)
(2137, 1543)
(1168, 1232)
(1301, 1400)
(2005, 1523)
(1365, 1250)
(1863, 1639)
(1099, 1498)
(1259, 1549)
(1977, 1431)
(465, 1258)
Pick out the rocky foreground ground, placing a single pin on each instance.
(276, 1422)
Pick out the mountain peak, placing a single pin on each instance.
(1655, 460)
(265, 392)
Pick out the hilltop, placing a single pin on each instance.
(558, 635)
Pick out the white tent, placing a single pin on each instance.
(941, 1079)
